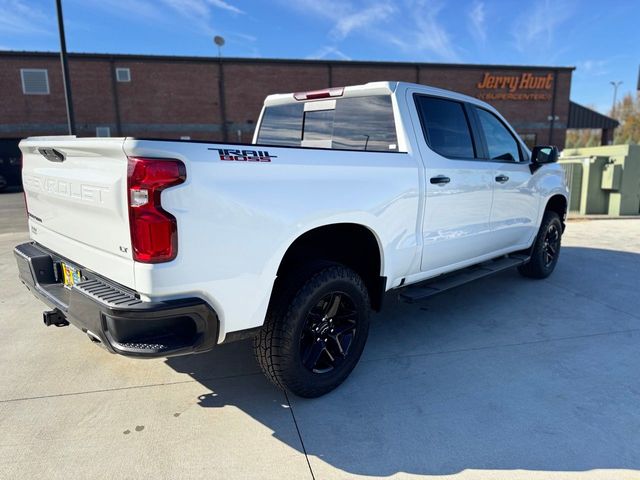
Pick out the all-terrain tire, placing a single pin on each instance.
(546, 248)
(292, 316)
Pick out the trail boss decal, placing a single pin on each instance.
(244, 155)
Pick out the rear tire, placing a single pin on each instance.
(315, 330)
(546, 248)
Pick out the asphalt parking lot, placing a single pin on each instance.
(503, 378)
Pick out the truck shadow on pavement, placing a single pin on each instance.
(502, 374)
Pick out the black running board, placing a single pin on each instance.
(433, 286)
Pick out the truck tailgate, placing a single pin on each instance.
(76, 195)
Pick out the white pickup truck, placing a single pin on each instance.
(162, 247)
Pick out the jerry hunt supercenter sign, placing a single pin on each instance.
(526, 86)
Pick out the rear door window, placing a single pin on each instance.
(446, 127)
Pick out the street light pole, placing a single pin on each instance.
(65, 71)
(219, 41)
(615, 94)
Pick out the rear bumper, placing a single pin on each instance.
(114, 315)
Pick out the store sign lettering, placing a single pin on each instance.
(526, 86)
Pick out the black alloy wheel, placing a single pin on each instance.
(551, 246)
(545, 250)
(329, 332)
(315, 330)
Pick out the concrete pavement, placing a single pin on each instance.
(503, 378)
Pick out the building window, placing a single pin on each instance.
(103, 131)
(35, 81)
(123, 74)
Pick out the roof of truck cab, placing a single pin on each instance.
(376, 88)
(371, 88)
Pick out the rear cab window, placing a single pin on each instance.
(349, 123)
(281, 125)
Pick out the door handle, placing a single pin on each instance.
(502, 179)
(440, 180)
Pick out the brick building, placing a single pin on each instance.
(174, 97)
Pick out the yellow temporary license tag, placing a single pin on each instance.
(70, 275)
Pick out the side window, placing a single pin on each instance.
(501, 144)
(282, 125)
(446, 126)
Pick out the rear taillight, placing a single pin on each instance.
(154, 232)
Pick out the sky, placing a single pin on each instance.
(599, 38)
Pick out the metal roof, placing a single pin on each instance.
(583, 117)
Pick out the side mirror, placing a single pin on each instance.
(542, 155)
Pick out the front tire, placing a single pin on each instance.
(315, 330)
(546, 248)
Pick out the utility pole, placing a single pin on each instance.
(615, 94)
(71, 123)
(219, 41)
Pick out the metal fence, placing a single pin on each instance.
(573, 177)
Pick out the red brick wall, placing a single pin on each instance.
(92, 93)
(247, 85)
(527, 116)
(354, 75)
(162, 92)
(170, 98)
(30, 113)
